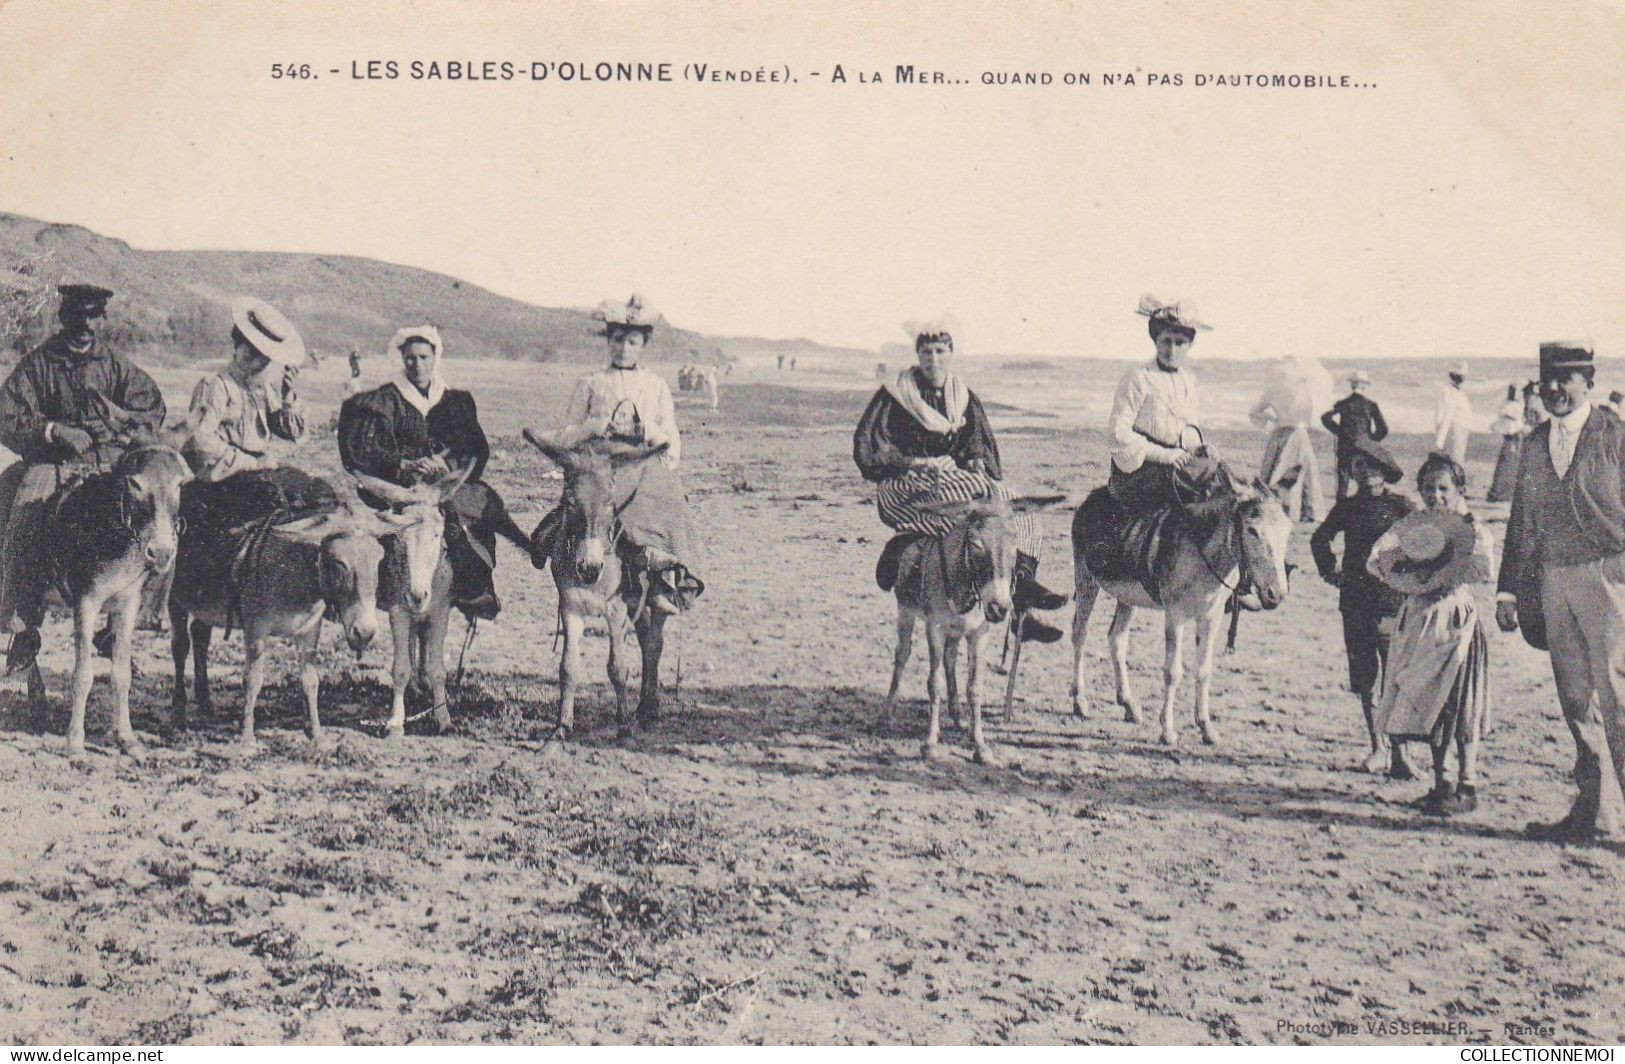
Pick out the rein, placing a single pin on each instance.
(1232, 530)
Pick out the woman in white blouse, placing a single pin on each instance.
(1153, 426)
(629, 403)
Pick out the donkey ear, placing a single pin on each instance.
(953, 511)
(393, 494)
(447, 485)
(312, 529)
(1026, 504)
(561, 455)
(626, 453)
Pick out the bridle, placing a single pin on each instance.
(1244, 576)
(968, 565)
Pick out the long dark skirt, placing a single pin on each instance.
(1506, 469)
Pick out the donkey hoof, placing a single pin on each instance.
(76, 747)
(1131, 714)
(1210, 735)
(984, 756)
(929, 751)
(1080, 709)
(1169, 738)
(395, 733)
(133, 748)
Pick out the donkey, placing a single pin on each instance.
(963, 591)
(281, 583)
(1196, 560)
(416, 591)
(587, 571)
(105, 536)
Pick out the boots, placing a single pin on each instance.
(890, 557)
(1027, 593)
(23, 650)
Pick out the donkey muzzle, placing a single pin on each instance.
(995, 611)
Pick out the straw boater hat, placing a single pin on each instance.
(1457, 368)
(1436, 548)
(1559, 357)
(1359, 376)
(271, 334)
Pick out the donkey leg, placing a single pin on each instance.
(180, 648)
(615, 619)
(85, 616)
(201, 636)
(933, 688)
(254, 648)
(1173, 670)
(311, 681)
(126, 611)
(1084, 593)
(905, 644)
(570, 670)
(1117, 643)
(973, 662)
(652, 642)
(950, 673)
(1207, 637)
(432, 662)
(400, 671)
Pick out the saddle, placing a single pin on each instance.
(1122, 546)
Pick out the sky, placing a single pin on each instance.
(1463, 201)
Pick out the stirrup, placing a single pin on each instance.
(25, 646)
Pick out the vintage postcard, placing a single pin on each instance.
(838, 523)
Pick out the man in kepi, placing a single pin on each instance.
(1563, 581)
(415, 429)
(67, 408)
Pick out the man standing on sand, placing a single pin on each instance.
(1453, 416)
(1351, 419)
(1563, 581)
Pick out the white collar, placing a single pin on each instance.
(420, 402)
(1573, 421)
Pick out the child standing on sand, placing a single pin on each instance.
(1367, 604)
(1437, 684)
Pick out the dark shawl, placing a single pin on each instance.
(888, 435)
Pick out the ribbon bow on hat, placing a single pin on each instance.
(1181, 312)
(941, 325)
(633, 314)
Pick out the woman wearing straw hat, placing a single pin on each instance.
(241, 411)
(1453, 416)
(1436, 684)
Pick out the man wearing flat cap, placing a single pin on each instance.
(1563, 581)
(414, 429)
(67, 408)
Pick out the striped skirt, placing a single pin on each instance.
(901, 501)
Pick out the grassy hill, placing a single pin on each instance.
(172, 305)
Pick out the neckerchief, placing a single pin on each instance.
(956, 397)
(420, 402)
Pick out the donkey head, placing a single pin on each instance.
(348, 561)
(985, 539)
(152, 475)
(1264, 526)
(417, 548)
(588, 530)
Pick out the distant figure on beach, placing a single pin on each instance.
(1614, 399)
(353, 385)
(880, 371)
(781, 362)
(1453, 416)
(1510, 425)
(792, 364)
(1298, 388)
(1353, 418)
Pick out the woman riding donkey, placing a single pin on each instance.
(415, 430)
(925, 441)
(628, 403)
